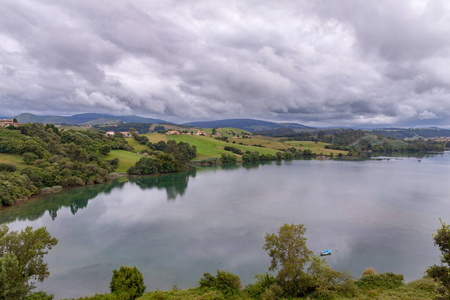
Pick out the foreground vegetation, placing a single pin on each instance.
(300, 274)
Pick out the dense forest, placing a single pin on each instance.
(359, 141)
(54, 157)
(164, 158)
(69, 158)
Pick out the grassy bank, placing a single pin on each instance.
(126, 159)
(11, 159)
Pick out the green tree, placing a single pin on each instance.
(21, 260)
(132, 131)
(128, 283)
(224, 281)
(442, 273)
(289, 255)
(327, 281)
(105, 149)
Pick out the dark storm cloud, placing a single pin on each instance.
(316, 62)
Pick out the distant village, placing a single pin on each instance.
(170, 132)
(7, 122)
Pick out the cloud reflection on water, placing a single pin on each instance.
(371, 211)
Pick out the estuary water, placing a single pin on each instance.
(378, 213)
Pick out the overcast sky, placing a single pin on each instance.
(316, 62)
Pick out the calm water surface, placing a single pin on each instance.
(376, 213)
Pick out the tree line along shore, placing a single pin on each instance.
(37, 158)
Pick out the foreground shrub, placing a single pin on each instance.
(41, 295)
(385, 281)
(100, 297)
(441, 273)
(6, 167)
(423, 284)
(273, 292)
(128, 283)
(212, 295)
(327, 282)
(224, 281)
(263, 282)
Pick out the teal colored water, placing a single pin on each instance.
(376, 213)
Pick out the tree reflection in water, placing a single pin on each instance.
(78, 198)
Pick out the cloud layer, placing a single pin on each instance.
(345, 63)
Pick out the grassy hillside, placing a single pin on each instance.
(208, 147)
(126, 159)
(314, 147)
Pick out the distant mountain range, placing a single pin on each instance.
(85, 119)
(246, 124)
(252, 125)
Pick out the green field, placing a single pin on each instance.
(156, 137)
(316, 148)
(271, 143)
(126, 159)
(227, 131)
(11, 159)
(133, 143)
(208, 147)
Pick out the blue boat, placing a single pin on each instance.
(325, 252)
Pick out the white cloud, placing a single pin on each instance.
(377, 62)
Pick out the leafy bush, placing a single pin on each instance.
(101, 297)
(273, 292)
(423, 284)
(385, 280)
(5, 167)
(326, 282)
(212, 295)
(228, 158)
(263, 282)
(41, 295)
(224, 281)
(233, 149)
(127, 283)
(141, 139)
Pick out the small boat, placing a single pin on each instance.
(325, 252)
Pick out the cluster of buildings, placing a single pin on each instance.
(7, 122)
(124, 133)
(175, 132)
(171, 132)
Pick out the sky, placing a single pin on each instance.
(373, 63)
